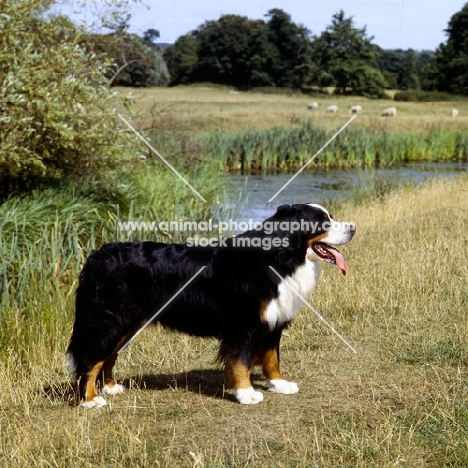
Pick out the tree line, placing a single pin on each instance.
(276, 52)
(57, 111)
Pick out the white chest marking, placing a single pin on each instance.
(283, 309)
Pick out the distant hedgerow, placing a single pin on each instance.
(423, 96)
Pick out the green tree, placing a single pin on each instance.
(262, 56)
(223, 51)
(448, 71)
(291, 58)
(237, 51)
(55, 106)
(137, 61)
(346, 58)
(182, 59)
(403, 65)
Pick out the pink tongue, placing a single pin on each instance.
(339, 260)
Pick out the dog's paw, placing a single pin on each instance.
(113, 389)
(283, 386)
(96, 402)
(248, 396)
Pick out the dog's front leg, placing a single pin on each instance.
(271, 365)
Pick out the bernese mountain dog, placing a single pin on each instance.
(238, 298)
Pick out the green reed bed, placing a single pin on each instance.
(46, 236)
(280, 150)
(44, 240)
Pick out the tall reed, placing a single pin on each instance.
(45, 238)
(282, 150)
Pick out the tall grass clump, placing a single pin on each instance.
(46, 236)
(282, 150)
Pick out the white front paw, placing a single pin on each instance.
(248, 396)
(283, 386)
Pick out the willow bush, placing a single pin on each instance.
(57, 116)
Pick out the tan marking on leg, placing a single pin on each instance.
(237, 373)
(271, 368)
(91, 391)
(106, 375)
(263, 310)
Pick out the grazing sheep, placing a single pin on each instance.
(130, 98)
(454, 112)
(389, 112)
(355, 109)
(312, 106)
(79, 108)
(332, 109)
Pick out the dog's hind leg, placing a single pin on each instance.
(89, 369)
(237, 370)
(109, 385)
(271, 366)
(87, 387)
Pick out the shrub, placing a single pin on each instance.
(56, 118)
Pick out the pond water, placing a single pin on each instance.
(252, 192)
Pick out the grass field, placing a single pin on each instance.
(210, 109)
(402, 400)
(267, 133)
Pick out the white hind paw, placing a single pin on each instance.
(283, 386)
(113, 389)
(248, 396)
(96, 402)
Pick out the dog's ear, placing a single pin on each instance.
(283, 209)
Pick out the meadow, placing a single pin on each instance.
(401, 400)
(218, 109)
(253, 132)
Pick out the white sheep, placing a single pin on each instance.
(389, 112)
(312, 106)
(355, 109)
(79, 108)
(454, 112)
(332, 109)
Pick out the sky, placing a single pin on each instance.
(394, 24)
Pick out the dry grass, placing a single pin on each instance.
(402, 400)
(199, 108)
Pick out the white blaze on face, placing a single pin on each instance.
(339, 233)
(320, 207)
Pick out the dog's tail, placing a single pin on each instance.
(78, 339)
(71, 363)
